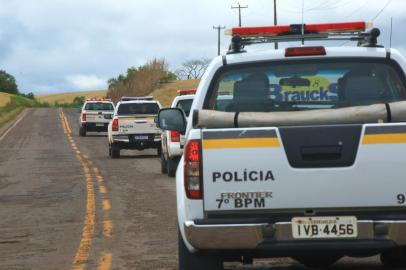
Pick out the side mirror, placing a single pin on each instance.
(79, 110)
(172, 119)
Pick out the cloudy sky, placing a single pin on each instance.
(70, 45)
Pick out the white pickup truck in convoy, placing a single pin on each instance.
(173, 141)
(133, 126)
(306, 161)
(95, 115)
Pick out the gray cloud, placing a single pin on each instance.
(54, 45)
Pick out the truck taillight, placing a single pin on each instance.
(83, 117)
(192, 177)
(175, 136)
(115, 125)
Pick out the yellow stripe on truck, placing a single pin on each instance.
(136, 119)
(241, 143)
(384, 138)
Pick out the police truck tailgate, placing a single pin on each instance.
(98, 117)
(137, 125)
(353, 166)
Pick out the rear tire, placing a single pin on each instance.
(318, 262)
(115, 151)
(191, 261)
(164, 164)
(172, 166)
(394, 259)
(82, 132)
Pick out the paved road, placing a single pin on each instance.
(66, 205)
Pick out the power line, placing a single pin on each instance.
(380, 12)
(358, 9)
(239, 12)
(218, 28)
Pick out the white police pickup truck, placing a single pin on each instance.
(133, 126)
(306, 161)
(95, 115)
(173, 141)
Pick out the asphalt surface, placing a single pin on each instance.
(64, 204)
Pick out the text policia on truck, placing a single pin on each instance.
(306, 158)
(173, 141)
(133, 125)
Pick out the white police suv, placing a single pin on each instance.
(133, 126)
(95, 115)
(306, 159)
(173, 141)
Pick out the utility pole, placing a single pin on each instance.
(218, 28)
(239, 12)
(275, 20)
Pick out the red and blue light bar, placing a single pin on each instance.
(325, 28)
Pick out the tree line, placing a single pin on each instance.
(142, 80)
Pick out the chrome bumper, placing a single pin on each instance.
(249, 236)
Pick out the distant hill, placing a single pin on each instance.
(165, 94)
(69, 96)
(168, 92)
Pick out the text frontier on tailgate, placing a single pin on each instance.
(251, 169)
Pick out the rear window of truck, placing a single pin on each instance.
(99, 106)
(185, 105)
(138, 108)
(306, 85)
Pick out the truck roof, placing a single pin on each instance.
(253, 55)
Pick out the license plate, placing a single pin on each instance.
(140, 137)
(100, 125)
(324, 227)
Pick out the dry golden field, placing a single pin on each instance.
(165, 94)
(4, 99)
(68, 97)
(169, 91)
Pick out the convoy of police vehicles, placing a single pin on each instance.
(295, 152)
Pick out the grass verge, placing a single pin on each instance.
(16, 105)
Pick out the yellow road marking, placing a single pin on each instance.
(83, 252)
(106, 205)
(108, 228)
(384, 138)
(105, 261)
(102, 189)
(241, 143)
